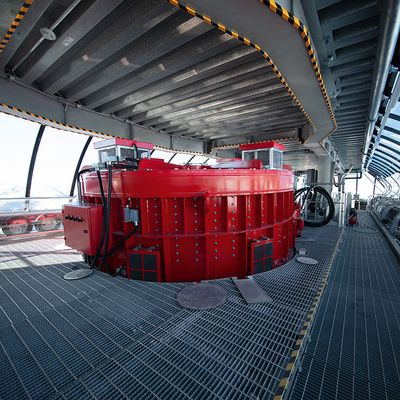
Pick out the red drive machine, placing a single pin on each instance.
(150, 220)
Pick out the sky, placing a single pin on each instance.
(56, 160)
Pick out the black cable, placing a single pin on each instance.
(315, 191)
(78, 177)
(123, 241)
(107, 221)
(103, 230)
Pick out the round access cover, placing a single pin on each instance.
(307, 260)
(201, 296)
(78, 274)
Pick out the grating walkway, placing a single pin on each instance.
(110, 338)
(355, 347)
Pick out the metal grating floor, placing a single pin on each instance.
(355, 348)
(111, 338)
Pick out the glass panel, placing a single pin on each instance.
(263, 156)
(248, 155)
(56, 161)
(18, 138)
(181, 158)
(211, 161)
(164, 155)
(91, 155)
(198, 160)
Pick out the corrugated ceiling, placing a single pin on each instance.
(155, 65)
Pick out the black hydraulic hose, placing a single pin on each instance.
(132, 232)
(108, 213)
(103, 231)
(78, 177)
(323, 192)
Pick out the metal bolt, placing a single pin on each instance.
(215, 227)
(216, 258)
(233, 248)
(215, 242)
(197, 259)
(176, 230)
(233, 226)
(195, 205)
(157, 231)
(177, 260)
(215, 220)
(248, 217)
(195, 213)
(215, 250)
(196, 244)
(233, 255)
(233, 241)
(176, 245)
(215, 212)
(215, 205)
(195, 222)
(156, 222)
(154, 206)
(176, 222)
(175, 206)
(177, 252)
(197, 252)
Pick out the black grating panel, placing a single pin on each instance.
(150, 262)
(103, 337)
(355, 350)
(135, 261)
(258, 252)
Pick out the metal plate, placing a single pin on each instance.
(78, 274)
(201, 296)
(307, 260)
(251, 291)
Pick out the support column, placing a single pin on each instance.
(325, 172)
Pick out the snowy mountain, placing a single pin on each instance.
(38, 190)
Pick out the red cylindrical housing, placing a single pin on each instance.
(198, 223)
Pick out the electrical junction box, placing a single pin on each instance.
(82, 227)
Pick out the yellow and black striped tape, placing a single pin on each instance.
(15, 23)
(76, 129)
(307, 41)
(284, 382)
(303, 30)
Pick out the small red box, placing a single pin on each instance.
(82, 227)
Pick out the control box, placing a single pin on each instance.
(82, 227)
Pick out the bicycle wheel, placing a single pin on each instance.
(317, 205)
